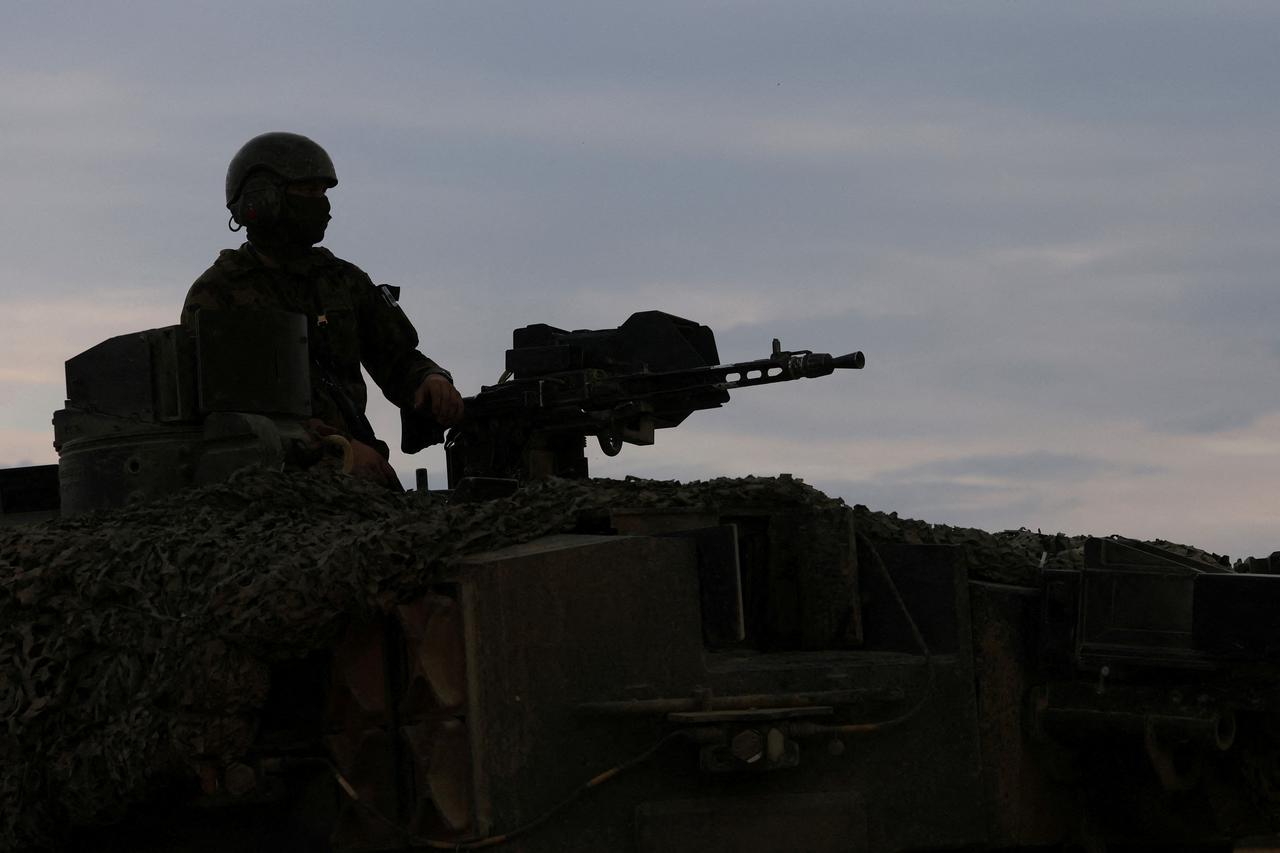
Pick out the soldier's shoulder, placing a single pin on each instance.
(342, 267)
(230, 265)
(342, 276)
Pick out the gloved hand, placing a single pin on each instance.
(438, 394)
(359, 459)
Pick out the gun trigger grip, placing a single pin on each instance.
(610, 443)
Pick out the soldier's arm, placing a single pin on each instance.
(389, 347)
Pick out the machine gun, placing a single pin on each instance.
(619, 385)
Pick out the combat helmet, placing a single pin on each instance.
(281, 157)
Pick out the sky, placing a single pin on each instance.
(1051, 227)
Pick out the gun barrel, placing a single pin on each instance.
(854, 361)
(817, 364)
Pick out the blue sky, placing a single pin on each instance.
(1051, 227)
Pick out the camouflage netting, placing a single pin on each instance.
(133, 641)
(1013, 556)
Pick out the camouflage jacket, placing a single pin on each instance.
(351, 323)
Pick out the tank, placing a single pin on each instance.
(218, 650)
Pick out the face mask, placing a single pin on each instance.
(305, 218)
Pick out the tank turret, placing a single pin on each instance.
(153, 412)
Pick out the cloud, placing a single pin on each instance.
(61, 126)
(726, 304)
(58, 96)
(43, 333)
(20, 447)
(1037, 465)
(948, 502)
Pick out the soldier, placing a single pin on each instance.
(276, 190)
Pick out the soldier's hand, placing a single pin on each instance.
(439, 395)
(368, 464)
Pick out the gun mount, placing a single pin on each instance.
(618, 385)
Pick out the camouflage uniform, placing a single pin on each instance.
(350, 321)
